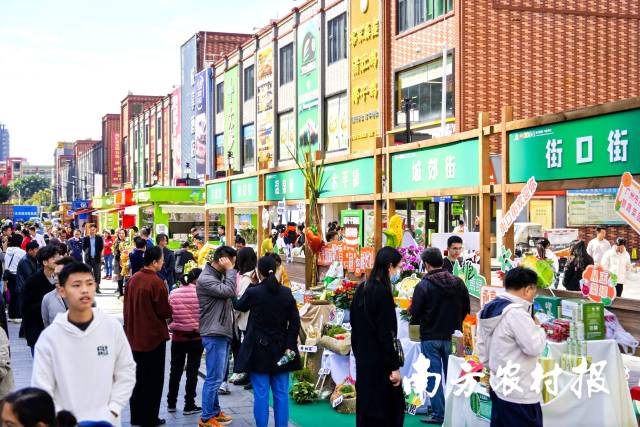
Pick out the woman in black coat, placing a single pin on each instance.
(379, 397)
(578, 262)
(272, 331)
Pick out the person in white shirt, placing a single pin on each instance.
(460, 228)
(618, 262)
(83, 360)
(598, 246)
(37, 237)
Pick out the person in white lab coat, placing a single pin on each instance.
(618, 262)
(598, 246)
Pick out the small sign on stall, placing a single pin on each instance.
(307, 349)
(598, 284)
(489, 293)
(470, 275)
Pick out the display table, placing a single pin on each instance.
(601, 409)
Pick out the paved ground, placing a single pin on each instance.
(239, 404)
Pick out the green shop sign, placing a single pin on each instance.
(592, 147)
(348, 178)
(170, 194)
(308, 80)
(244, 190)
(444, 166)
(284, 185)
(216, 193)
(232, 115)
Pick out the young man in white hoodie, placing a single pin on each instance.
(84, 343)
(508, 334)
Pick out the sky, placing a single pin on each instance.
(66, 63)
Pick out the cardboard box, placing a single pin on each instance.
(592, 317)
(548, 305)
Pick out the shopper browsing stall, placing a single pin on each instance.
(599, 246)
(507, 333)
(579, 259)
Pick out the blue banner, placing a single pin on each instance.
(24, 212)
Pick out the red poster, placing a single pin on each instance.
(116, 160)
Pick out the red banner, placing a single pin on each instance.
(355, 260)
(116, 160)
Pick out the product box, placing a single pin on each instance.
(592, 314)
(548, 305)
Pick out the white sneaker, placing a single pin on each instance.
(224, 389)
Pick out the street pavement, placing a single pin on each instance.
(239, 404)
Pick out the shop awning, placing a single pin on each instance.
(182, 208)
(103, 211)
(84, 211)
(131, 210)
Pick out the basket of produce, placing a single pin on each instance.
(343, 398)
(336, 338)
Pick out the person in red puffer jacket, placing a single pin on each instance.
(185, 342)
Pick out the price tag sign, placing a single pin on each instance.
(337, 401)
(347, 326)
(324, 371)
(307, 348)
(339, 316)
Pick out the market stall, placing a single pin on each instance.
(122, 199)
(106, 213)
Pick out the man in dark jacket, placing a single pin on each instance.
(455, 247)
(40, 284)
(182, 256)
(27, 267)
(136, 257)
(75, 245)
(93, 245)
(440, 302)
(169, 267)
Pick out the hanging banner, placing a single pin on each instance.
(308, 83)
(176, 133)
(264, 116)
(628, 201)
(355, 260)
(116, 160)
(199, 148)
(518, 205)
(232, 115)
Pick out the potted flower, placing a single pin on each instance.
(411, 261)
(343, 296)
(414, 324)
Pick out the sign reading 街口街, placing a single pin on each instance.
(445, 166)
(244, 190)
(169, 194)
(232, 115)
(288, 185)
(509, 217)
(216, 193)
(628, 201)
(348, 178)
(364, 74)
(308, 81)
(605, 145)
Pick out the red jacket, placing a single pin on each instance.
(146, 310)
(185, 310)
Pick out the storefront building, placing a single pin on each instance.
(106, 213)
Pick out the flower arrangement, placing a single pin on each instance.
(411, 262)
(343, 296)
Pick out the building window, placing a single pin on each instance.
(248, 145)
(219, 97)
(286, 136)
(248, 83)
(219, 154)
(337, 36)
(286, 64)
(159, 136)
(423, 85)
(337, 123)
(414, 12)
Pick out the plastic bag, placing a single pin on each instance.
(616, 332)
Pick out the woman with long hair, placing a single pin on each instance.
(379, 398)
(272, 332)
(579, 259)
(118, 245)
(33, 407)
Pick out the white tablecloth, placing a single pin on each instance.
(600, 410)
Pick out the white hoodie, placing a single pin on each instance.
(506, 332)
(89, 373)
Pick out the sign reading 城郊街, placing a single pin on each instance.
(348, 178)
(244, 190)
(605, 145)
(216, 193)
(288, 185)
(444, 166)
(232, 115)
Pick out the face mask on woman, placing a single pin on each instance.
(279, 273)
(395, 277)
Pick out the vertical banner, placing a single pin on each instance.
(199, 147)
(176, 142)
(166, 143)
(264, 116)
(364, 74)
(116, 160)
(232, 115)
(308, 63)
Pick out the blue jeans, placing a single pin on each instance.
(280, 388)
(108, 265)
(437, 351)
(216, 361)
